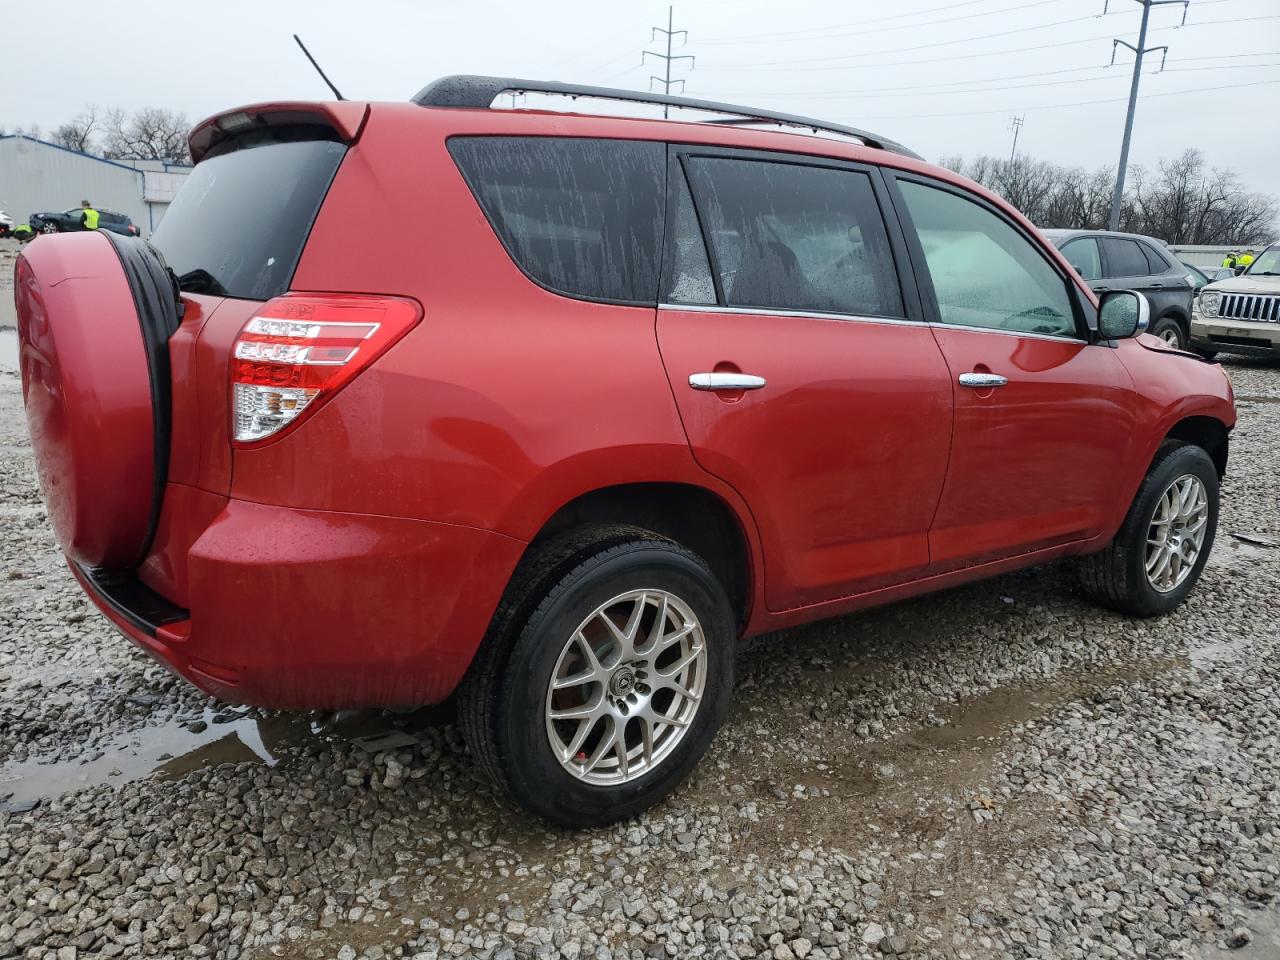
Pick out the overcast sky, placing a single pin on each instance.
(943, 78)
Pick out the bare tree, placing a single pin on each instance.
(1181, 202)
(152, 133)
(79, 133)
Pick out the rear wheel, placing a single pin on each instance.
(604, 678)
(1170, 331)
(1161, 548)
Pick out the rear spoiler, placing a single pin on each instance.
(344, 117)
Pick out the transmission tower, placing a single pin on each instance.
(1015, 124)
(667, 58)
(1113, 222)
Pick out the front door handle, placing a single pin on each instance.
(725, 381)
(982, 380)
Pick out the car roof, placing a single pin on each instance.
(1061, 235)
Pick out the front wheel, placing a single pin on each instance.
(1161, 548)
(600, 701)
(1170, 331)
(48, 227)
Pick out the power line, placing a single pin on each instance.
(839, 26)
(829, 34)
(1058, 106)
(964, 56)
(946, 89)
(667, 57)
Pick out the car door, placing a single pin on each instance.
(804, 377)
(1170, 286)
(1042, 416)
(1125, 267)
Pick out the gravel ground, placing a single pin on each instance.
(1002, 770)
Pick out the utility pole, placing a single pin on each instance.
(1113, 222)
(667, 58)
(1015, 124)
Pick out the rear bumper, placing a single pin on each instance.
(309, 609)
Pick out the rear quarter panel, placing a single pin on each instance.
(505, 402)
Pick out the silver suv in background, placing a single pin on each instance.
(1241, 314)
(1128, 261)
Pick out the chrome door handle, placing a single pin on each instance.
(725, 381)
(981, 380)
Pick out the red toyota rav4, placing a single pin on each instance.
(548, 411)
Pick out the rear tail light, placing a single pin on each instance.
(300, 349)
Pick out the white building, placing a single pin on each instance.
(37, 176)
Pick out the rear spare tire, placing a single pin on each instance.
(95, 312)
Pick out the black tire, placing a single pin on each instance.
(1207, 354)
(502, 701)
(1170, 330)
(1116, 577)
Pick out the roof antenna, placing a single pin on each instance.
(317, 66)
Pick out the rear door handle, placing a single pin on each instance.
(725, 381)
(982, 380)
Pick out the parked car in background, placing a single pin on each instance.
(1127, 261)
(1202, 276)
(607, 396)
(6, 224)
(69, 220)
(1241, 314)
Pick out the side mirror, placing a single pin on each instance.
(1122, 314)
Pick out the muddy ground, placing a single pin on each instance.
(1002, 770)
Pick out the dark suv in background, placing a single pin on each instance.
(1128, 261)
(69, 220)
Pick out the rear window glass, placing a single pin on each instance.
(581, 217)
(238, 225)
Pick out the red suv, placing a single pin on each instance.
(547, 411)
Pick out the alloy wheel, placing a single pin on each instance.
(1176, 533)
(1171, 336)
(626, 687)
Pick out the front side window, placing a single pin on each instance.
(985, 273)
(1125, 258)
(1083, 255)
(793, 237)
(580, 217)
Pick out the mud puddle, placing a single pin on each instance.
(170, 751)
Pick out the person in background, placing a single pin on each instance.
(88, 216)
(1229, 261)
(1246, 258)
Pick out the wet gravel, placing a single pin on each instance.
(1002, 770)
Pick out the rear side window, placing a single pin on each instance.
(238, 225)
(689, 276)
(793, 237)
(1083, 255)
(580, 217)
(1155, 262)
(1124, 258)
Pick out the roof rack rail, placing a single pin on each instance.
(479, 92)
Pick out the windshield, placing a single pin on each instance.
(1267, 264)
(238, 225)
